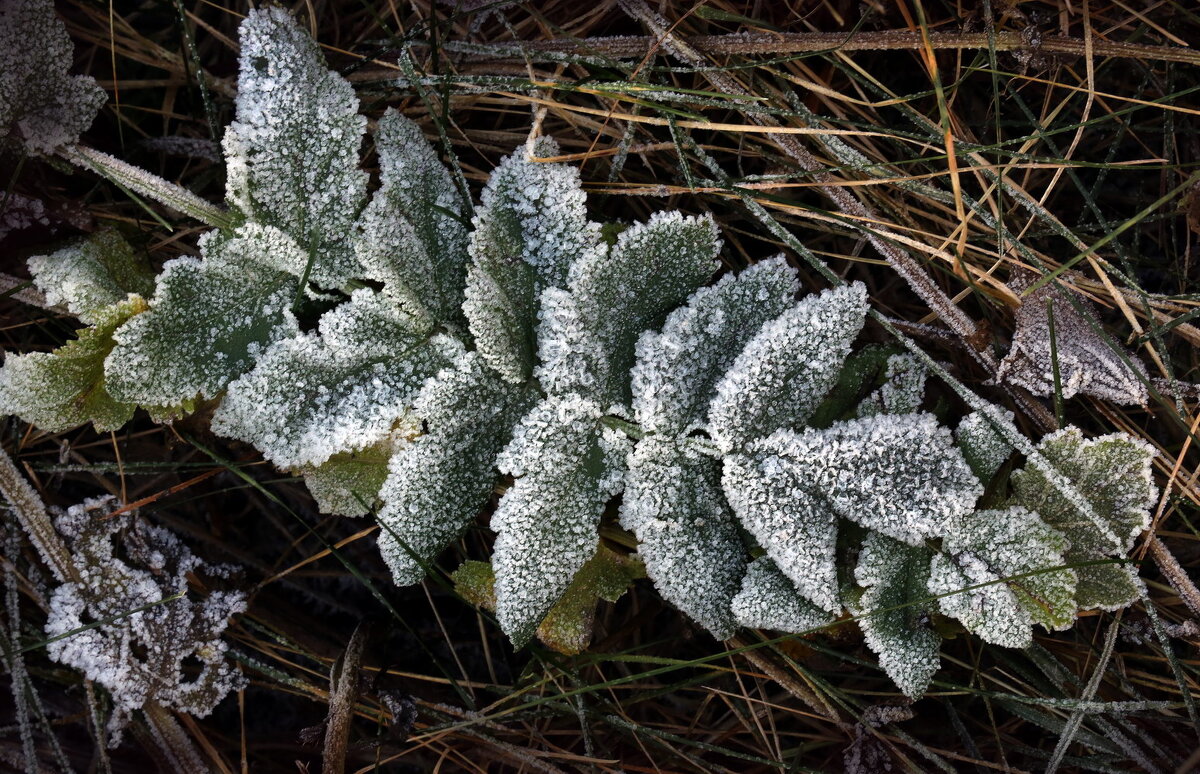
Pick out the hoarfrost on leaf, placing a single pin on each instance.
(767, 599)
(902, 391)
(893, 611)
(686, 533)
(566, 467)
(984, 449)
(587, 333)
(47, 107)
(411, 237)
(1113, 475)
(291, 152)
(89, 277)
(1019, 550)
(1086, 362)
(676, 370)
(529, 227)
(341, 388)
(208, 322)
(788, 367)
(348, 483)
(437, 485)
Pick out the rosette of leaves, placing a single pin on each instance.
(130, 622)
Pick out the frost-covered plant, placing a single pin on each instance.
(139, 657)
(596, 379)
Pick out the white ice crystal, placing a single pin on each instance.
(686, 533)
(676, 370)
(893, 611)
(208, 321)
(292, 150)
(567, 467)
(47, 107)
(768, 600)
(902, 391)
(1010, 546)
(587, 332)
(412, 236)
(92, 275)
(438, 483)
(984, 449)
(1113, 473)
(338, 389)
(529, 227)
(788, 367)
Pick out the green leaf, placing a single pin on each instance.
(292, 150)
(902, 391)
(89, 277)
(769, 600)
(587, 332)
(984, 449)
(341, 388)
(412, 235)
(567, 628)
(566, 467)
(1112, 474)
(47, 107)
(438, 483)
(62, 389)
(349, 482)
(785, 370)
(208, 321)
(989, 546)
(530, 226)
(676, 370)
(893, 611)
(686, 532)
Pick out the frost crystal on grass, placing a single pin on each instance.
(902, 391)
(786, 369)
(438, 483)
(996, 546)
(587, 334)
(566, 467)
(92, 275)
(1113, 474)
(292, 151)
(893, 611)
(530, 226)
(768, 600)
(686, 533)
(62, 389)
(984, 449)
(342, 388)
(1086, 363)
(47, 107)
(676, 370)
(411, 236)
(139, 658)
(207, 323)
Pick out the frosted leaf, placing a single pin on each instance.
(902, 391)
(207, 323)
(411, 236)
(348, 483)
(984, 449)
(92, 275)
(438, 484)
(893, 611)
(1086, 363)
(587, 334)
(47, 107)
(530, 226)
(786, 369)
(794, 524)
(768, 600)
(62, 389)
(676, 370)
(997, 545)
(291, 152)
(341, 388)
(566, 467)
(139, 658)
(1113, 474)
(686, 533)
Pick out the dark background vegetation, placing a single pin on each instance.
(1091, 139)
